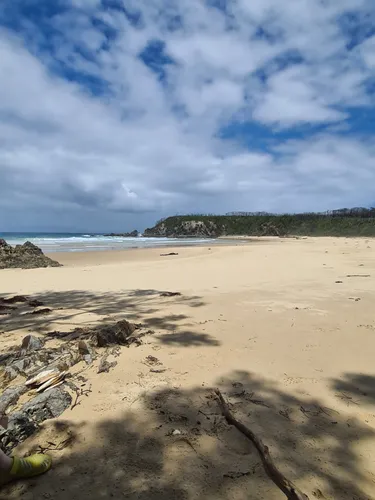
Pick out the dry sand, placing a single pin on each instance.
(275, 324)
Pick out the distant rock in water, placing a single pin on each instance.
(133, 234)
(26, 256)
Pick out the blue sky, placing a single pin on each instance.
(114, 113)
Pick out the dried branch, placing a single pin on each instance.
(284, 484)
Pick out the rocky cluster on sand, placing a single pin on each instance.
(26, 256)
(40, 369)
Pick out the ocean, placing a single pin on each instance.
(80, 242)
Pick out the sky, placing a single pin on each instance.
(114, 113)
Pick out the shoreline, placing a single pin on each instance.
(113, 256)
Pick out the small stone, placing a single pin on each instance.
(176, 432)
(10, 373)
(86, 351)
(31, 343)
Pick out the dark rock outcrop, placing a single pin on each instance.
(26, 256)
(133, 234)
(25, 422)
(119, 333)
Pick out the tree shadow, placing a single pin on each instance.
(175, 444)
(188, 339)
(67, 310)
(355, 388)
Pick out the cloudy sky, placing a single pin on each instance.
(114, 113)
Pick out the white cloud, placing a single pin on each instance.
(367, 51)
(139, 145)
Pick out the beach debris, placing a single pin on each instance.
(5, 309)
(46, 379)
(54, 381)
(41, 377)
(236, 475)
(317, 493)
(358, 275)
(35, 303)
(316, 411)
(338, 281)
(104, 365)
(41, 310)
(152, 361)
(167, 254)
(31, 343)
(26, 256)
(285, 485)
(176, 432)
(15, 299)
(170, 294)
(348, 399)
(80, 392)
(356, 299)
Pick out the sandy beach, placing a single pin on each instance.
(284, 327)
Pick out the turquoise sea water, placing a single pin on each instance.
(80, 242)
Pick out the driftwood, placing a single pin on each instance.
(284, 484)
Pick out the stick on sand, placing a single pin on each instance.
(284, 484)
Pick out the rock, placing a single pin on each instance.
(20, 427)
(25, 422)
(50, 404)
(21, 365)
(133, 234)
(86, 351)
(186, 229)
(10, 397)
(26, 256)
(176, 432)
(170, 294)
(10, 373)
(118, 333)
(31, 343)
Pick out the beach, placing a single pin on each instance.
(284, 327)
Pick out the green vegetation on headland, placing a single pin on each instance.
(344, 222)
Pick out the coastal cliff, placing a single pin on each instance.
(344, 222)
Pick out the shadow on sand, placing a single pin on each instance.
(136, 455)
(83, 308)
